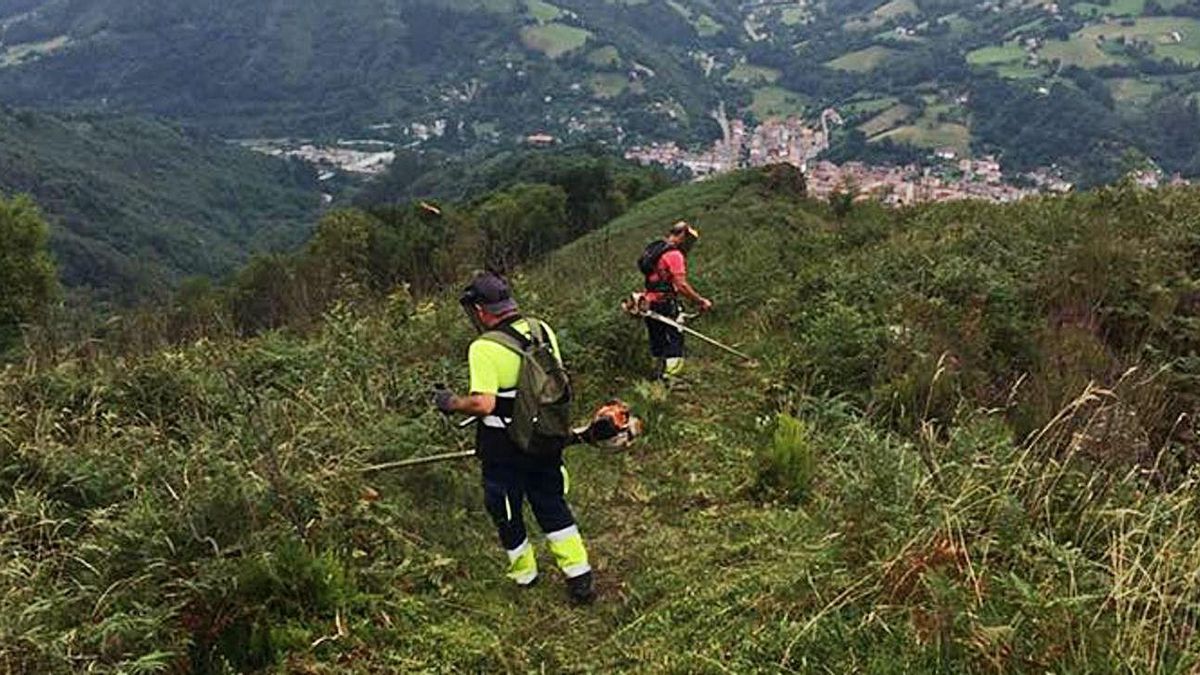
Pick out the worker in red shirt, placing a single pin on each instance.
(664, 264)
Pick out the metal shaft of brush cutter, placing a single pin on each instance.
(678, 325)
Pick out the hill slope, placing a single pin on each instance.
(1088, 86)
(276, 68)
(912, 480)
(137, 204)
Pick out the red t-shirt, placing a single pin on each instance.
(671, 266)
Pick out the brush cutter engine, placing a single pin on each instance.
(613, 427)
(635, 305)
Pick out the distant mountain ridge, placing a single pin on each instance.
(137, 204)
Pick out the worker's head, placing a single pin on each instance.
(683, 235)
(488, 301)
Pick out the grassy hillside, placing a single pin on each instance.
(970, 446)
(137, 204)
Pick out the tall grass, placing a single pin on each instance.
(946, 463)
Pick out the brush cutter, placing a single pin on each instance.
(637, 306)
(613, 427)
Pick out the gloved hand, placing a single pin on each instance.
(442, 398)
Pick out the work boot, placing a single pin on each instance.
(582, 589)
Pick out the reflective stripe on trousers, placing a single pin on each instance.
(569, 552)
(522, 564)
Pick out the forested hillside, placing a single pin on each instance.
(1093, 88)
(970, 446)
(135, 205)
(275, 68)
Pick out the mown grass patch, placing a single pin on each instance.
(997, 55)
(748, 73)
(777, 102)
(931, 134)
(607, 56)
(894, 9)
(1159, 33)
(1133, 91)
(543, 11)
(888, 119)
(554, 39)
(863, 60)
(1012, 71)
(1113, 8)
(1080, 50)
(608, 85)
(1009, 61)
(869, 106)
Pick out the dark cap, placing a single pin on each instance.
(490, 291)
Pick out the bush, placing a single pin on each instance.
(789, 466)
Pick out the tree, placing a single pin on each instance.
(522, 223)
(264, 292)
(27, 274)
(341, 247)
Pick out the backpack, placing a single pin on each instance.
(541, 422)
(648, 262)
(654, 252)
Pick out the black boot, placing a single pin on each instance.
(582, 589)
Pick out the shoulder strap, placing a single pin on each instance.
(504, 340)
(537, 331)
(654, 253)
(506, 335)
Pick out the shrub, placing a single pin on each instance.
(789, 465)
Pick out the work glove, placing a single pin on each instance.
(442, 398)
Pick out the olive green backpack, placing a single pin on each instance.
(541, 423)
